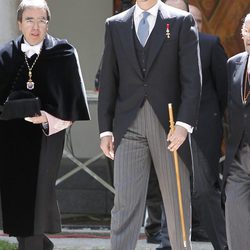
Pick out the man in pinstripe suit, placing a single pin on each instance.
(138, 80)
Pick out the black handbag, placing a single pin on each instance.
(20, 104)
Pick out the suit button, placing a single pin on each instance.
(145, 85)
(144, 70)
(245, 115)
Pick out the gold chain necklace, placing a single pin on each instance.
(30, 84)
(245, 93)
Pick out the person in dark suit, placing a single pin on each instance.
(206, 140)
(155, 226)
(150, 59)
(236, 179)
(154, 200)
(31, 145)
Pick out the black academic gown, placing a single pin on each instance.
(29, 160)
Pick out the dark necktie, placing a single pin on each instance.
(143, 29)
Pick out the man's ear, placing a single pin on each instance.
(19, 26)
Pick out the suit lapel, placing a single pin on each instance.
(244, 67)
(158, 34)
(127, 39)
(239, 75)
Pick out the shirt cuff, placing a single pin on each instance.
(55, 124)
(186, 126)
(106, 133)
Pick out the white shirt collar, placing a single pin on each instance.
(153, 11)
(30, 50)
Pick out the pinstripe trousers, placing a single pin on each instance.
(145, 141)
(237, 209)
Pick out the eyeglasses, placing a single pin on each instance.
(41, 23)
(245, 32)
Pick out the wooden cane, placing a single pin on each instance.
(176, 164)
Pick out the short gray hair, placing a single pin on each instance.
(41, 4)
(244, 21)
(246, 17)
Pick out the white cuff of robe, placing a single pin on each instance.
(106, 133)
(55, 124)
(186, 126)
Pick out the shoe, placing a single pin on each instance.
(199, 235)
(154, 238)
(163, 248)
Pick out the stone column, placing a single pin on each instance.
(8, 23)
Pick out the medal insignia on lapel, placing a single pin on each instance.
(168, 30)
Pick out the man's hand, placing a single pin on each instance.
(107, 146)
(37, 119)
(177, 137)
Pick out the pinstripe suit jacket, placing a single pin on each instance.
(238, 113)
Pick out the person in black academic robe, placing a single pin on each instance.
(31, 147)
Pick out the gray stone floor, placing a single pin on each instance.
(100, 244)
(78, 240)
